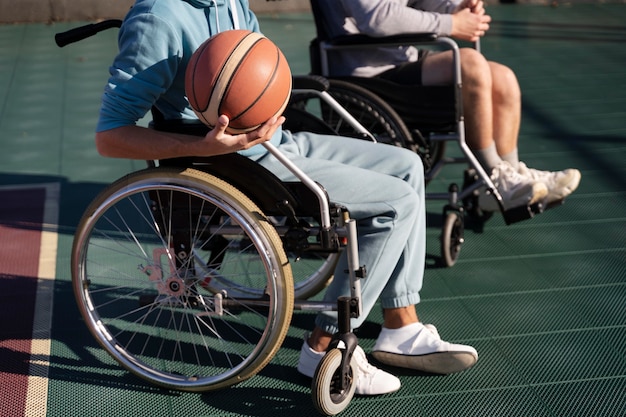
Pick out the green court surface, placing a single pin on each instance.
(543, 300)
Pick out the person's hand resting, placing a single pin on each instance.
(221, 142)
(469, 21)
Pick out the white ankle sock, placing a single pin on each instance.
(512, 158)
(488, 157)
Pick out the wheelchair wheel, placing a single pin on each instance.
(431, 152)
(452, 237)
(328, 397)
(378, 117)
(182, 279)
(371, 111)
(312, 272)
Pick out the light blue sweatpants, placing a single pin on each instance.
(383, 188)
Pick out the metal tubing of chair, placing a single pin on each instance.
(345, 115)
(312, 185)
(475, 164)
(353, 263)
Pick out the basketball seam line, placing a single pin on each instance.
(228, 69)
(267, 85)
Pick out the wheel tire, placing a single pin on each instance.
(452, 238)
(147, 304)
(327, 398)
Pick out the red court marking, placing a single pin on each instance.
(21, 220)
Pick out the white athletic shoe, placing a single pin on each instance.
(516, 190)
(370, 380)
(560, 183)
(418, 346)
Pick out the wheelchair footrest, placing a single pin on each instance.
(517, 214)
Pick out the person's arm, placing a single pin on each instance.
(136, 142)
(148, 65)
(252, 23)
(464, 20)
(384, 18)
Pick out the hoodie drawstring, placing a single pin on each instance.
(233, 11)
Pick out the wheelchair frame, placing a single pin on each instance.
(460, 200)
(165, 311)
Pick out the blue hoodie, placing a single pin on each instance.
(156, 42)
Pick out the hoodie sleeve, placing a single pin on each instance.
(251, 20)
(143, 70)
(390, 17)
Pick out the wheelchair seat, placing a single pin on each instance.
(428, 109)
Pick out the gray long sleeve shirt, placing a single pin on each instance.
(382, 18)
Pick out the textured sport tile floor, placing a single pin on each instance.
(543, 301)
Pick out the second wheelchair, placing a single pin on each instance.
(420, 118)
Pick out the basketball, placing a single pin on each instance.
(241, 74)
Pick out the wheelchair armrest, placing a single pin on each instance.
(319, 48)
(310, 82)
(400, 39)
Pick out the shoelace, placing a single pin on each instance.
(504, 170)
(536, 174)
(433, 330)
(364, 366)
(419, 341)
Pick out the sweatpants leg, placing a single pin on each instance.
(383, 188)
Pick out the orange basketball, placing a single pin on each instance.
(241, 74)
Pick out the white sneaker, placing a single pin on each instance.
(418, 346)
(515, 189)
(370, 380)
(560, 183)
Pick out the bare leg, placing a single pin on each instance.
(506, 108)
(393, 318)
(492, 112)
(477, 92)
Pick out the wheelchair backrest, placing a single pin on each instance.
(327, 24)
(326, 27)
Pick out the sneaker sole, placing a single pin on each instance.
(435, 363)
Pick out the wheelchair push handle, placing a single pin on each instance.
(83, 32)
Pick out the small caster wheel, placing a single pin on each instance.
(452, 238)
(328, 396)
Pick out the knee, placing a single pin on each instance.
(475, 69)
(505, 84)
(403, 191)
(413, 168)
(411, 206)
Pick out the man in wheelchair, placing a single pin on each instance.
(381, 186)
(490, 95)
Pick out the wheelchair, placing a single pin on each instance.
(187, 272)
(420, 118)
